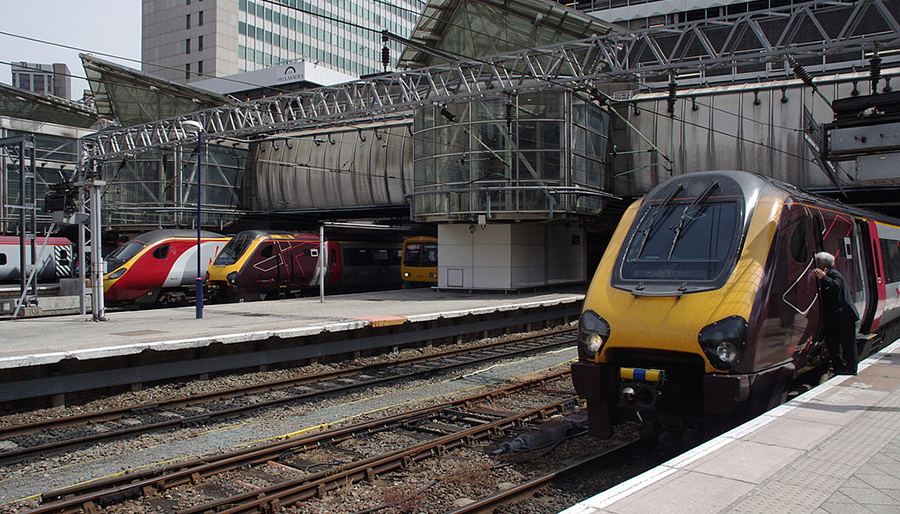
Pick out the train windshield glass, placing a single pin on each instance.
(122, 254)
(683, 241)
(421, 254)
(234, 249)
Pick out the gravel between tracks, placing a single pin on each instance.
(454, 479)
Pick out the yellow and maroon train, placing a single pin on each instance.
(258, 264)
(704, 307)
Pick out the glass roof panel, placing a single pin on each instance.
(18, 103)
(133, 98)
(478, 28)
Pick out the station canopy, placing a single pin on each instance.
(22, 104)
(479, 28)
(131, 97)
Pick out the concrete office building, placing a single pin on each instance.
(43, 79)
(186, 40)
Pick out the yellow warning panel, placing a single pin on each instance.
(383, 321)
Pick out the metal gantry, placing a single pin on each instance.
(824, 35)
(755, 44)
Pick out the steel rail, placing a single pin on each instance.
(490, 503)
(22, 454)
(270, 499)
(151, 481)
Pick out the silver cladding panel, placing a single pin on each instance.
(342, 169)
(728, 129)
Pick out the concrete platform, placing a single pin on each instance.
(832, 450)
(65, 354)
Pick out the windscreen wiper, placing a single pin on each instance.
(647, 231)
(679, 227)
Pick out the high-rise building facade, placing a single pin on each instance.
(43, 79)
(185, 40)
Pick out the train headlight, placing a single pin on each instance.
(406, 274)
(593, 332)
(116, 274)
(232, 278)
(723, 342)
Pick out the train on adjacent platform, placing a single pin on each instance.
(159, 267)
(256, 265)
(57, 260)
(704, 308)
(419, 266)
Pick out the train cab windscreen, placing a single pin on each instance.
(421, 254)
(123, 254)
(687, 241)
(234, 249)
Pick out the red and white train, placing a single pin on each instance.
(56, 261)
(159, 267)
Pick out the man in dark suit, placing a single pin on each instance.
(839, 315)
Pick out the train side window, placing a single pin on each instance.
(162, 252)
(2, 259)
(334, 260)
(799, 248)
(890, 256)
(380, 256)
(267, 251)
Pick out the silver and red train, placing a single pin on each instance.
(159, 267)
(56, 261)
(704, 308)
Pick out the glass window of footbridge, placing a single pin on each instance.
(509, 156)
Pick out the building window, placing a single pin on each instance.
(187, 71)
(199, 43)
(199, 67)
(187, 21)
(187, 45)
(25, 81)
(200, 19)
(39, 84)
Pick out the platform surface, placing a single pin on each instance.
(38, 341)
(832, 450)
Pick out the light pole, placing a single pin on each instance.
(195, 126)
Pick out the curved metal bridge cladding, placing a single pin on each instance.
(362, 167)
(769, 128)
(529, 155)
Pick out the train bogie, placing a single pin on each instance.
(704, 306)
(159, 267)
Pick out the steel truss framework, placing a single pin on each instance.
(818, 33)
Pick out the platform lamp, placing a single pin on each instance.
(195, 126)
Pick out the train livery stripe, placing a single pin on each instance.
(644, 375)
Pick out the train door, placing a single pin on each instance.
(335, 264)
(295, 259)
(791, 324)
(871, 265)
(839, 237)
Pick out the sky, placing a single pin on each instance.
(111, 27)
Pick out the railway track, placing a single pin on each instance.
(436, 431)
(56, 435)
